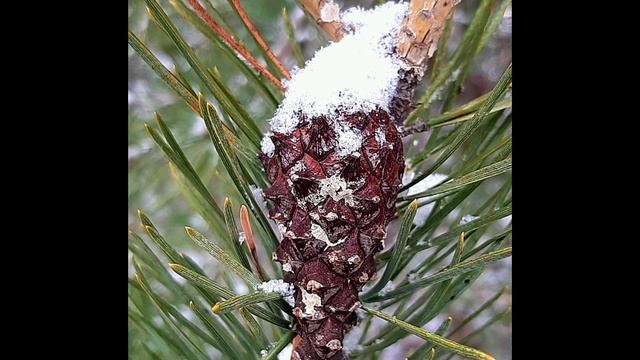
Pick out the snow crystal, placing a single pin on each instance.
(334, 344)
(298, 166)
(285, 354)
(310, 301)
(465, 219)
(424, 185)
(330, 12)
(380, 137)
(241, 237)
(279, 286)
(337, 188)
(349, 141)
(331, 216)
(267, 145)
(355, 259)
(314, 285)
(318, 232)
(358, 73)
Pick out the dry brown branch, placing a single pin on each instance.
(247, 22)
(421, 30)
(326, 13)
(234, 44)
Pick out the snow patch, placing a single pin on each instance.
(359, 73)
(318, 232)
(310, 301)
(331, 216)
(314, 285)
(380, 137)
(334, 345)
(349, 141)
(285, 289)
(267, 145)
(330, 12)
(298, 166)
(336, 187)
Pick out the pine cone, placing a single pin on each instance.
(333, 210)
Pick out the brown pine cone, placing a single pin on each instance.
(333, 211)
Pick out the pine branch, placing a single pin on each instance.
(421, 30)
(418, 39)
(234, 44)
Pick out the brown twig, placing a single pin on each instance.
(234, 44)
(326, 13)
(248, 234)
(256, 35)
(421, 30)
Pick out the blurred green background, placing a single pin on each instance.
(149, 183)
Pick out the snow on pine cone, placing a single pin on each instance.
(334, 159)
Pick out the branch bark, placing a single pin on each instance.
(421, 30)
(417, 43)
(326, 13)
